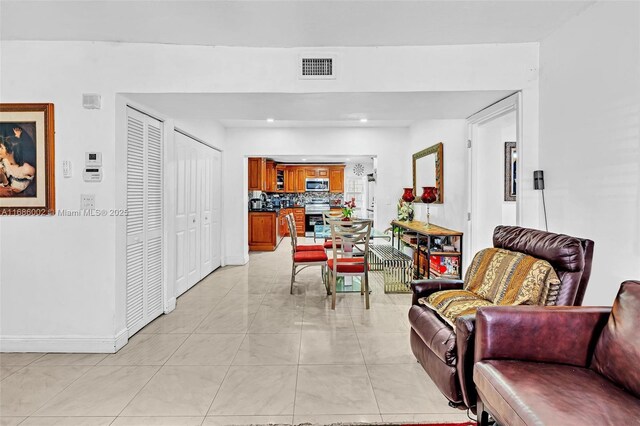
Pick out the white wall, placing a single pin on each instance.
(590, 138)
(60, 288)
(388, 145)
(453, 135)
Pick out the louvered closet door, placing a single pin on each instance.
(144, 220)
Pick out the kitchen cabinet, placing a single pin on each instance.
(311, 172)
(257, 174)
(280, 177)
(323, 172)
(300, 179)
(270, 180)
(284, 227)
(298, 214)
(290, 179)
(336, 179)
(264, 231)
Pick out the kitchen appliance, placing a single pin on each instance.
(256, 204)
(317, 185)
(313, 214)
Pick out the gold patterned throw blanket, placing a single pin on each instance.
(497, 277)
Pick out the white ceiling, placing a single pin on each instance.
(391, 109)
(287, 23)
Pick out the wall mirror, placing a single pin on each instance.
(427, 171)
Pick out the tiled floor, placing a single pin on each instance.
(239, 349)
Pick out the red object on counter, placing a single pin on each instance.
(429, 194)
(407, 196)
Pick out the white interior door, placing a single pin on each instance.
(181, 218)
(144, 223)
(193, 216)
(198, 211)
(216, 209)
(205, 165)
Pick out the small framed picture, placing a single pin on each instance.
(510, 178)
(27, 167)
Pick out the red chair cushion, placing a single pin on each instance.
(309, 256)
(348, 265)
(329, 244)
(310, 247)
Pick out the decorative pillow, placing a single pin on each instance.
(450, 304)
(509, 278)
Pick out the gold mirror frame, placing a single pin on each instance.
(437, 150)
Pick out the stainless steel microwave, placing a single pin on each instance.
(317, 185)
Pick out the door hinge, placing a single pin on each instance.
(468, 143)
(468, 216)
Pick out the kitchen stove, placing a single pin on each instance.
(313, 214)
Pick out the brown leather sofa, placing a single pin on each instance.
(446, 354)
(560, 365)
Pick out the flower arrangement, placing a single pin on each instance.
(405, 210)
(347, 210)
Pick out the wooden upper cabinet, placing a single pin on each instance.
(322, 172)
(257, 174)
(300, 179)
(336, 179)
(290, 180)
(311, 172)
(270, 183)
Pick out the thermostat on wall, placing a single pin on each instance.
(93, 159)
(92, 174)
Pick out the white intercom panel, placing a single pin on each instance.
(92, 174)
(93, 159)
(92, 171)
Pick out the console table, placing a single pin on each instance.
(438, 250)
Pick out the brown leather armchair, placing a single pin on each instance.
(560, 365)
(446, 354)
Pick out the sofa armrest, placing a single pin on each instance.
(559, 334)
(423, 288)
(465, 341)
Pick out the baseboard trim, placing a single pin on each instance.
(237, 260)
(62, 344)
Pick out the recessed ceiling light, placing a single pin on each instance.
(304, 159)
(270, 120)
(363, 120)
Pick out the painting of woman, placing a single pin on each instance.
(27, 163)
(17, 162)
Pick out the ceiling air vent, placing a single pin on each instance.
(317, 67)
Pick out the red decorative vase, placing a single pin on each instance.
(429, 194)
(407, 196)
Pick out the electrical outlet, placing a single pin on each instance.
(88, 201)
(67, 171)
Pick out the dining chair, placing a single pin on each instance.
(294, 238)
(303, 257)
(327, 218)
(350, 246)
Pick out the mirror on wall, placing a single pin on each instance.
(427, 171)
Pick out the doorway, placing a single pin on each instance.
(493, 158)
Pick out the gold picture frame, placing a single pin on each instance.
(436, 150)
(27, 159)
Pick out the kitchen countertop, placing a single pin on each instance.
(264, 210)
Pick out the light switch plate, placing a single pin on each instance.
(88, 201)
(67, 170)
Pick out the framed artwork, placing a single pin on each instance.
(510, 178)
(27, 167)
